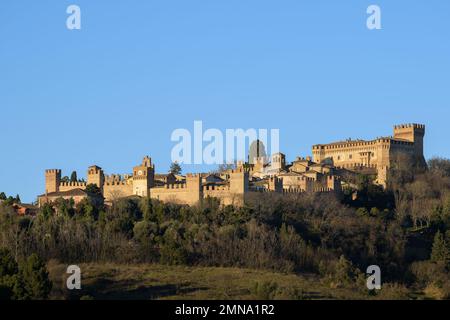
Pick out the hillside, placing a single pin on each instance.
(153, 281)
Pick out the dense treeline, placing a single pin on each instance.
(25, 280)
(404, 230)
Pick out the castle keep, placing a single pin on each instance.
(378, 154)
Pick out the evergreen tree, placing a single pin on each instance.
(3, 196)
(73, 177)
(175, 168)
(344, 271)
(8, 265)
(35, 278)
(8, 275)
(146, 208)
(440, 252)
(46, 211)
(93, 189)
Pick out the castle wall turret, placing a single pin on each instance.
(334, 183)
(238, 186)
(67, 186)
(275, 184)
(194, 186)
(414, 133)
(238, 181)
(52, 180)
(95, 176)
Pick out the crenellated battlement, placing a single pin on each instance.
(94, 169)
(401, 142)
(293, 190)
(409, 125)
(73, 184)
(176, 186)
(56, 171)
(296, 190)
(216, 188)
(117, 183)
(323, 189)
(352, 144)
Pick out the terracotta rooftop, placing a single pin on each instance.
(70, 193)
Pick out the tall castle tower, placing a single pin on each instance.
(278, 161)
(96, 176)
(239, 181)
(239, 186)
(413, 133)
(52, 180)
(194, 185)
(143, 177)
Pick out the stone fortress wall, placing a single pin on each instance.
(141, 183)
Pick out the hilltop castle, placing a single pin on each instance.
(229, 187)
(322, 173)
(378, 154)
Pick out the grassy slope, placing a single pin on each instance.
(149, 281)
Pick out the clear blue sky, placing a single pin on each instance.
(114, 91)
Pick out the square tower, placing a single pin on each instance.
(239, 181)
(96, 176)
(194, 187)
(143, 177)
(52, 180)
(278, 161)
(415, 133)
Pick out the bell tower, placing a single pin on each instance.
(278, 161)
(143, 177)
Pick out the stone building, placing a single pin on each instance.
(302, 175)
(143, 182)
(378, 154)
(77, 195)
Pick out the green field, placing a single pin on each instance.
(150, 281)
